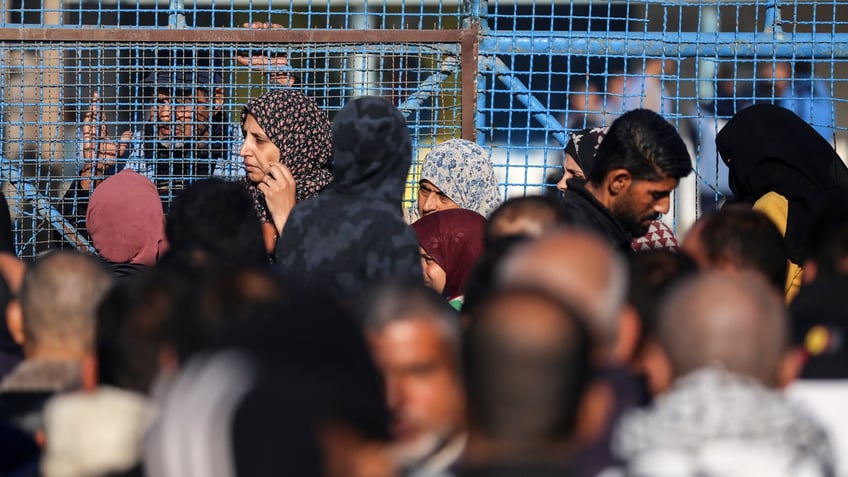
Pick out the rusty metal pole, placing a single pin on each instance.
(469, 71)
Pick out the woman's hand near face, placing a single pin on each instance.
(279, 188)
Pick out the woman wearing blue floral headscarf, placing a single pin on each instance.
(457, 174)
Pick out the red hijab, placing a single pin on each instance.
(454, 238)
(125, 220)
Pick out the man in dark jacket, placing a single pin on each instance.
(637, 166)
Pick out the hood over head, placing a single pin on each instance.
(770, 149)
(372, 150)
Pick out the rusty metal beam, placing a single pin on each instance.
(218, 35)
(469, 68)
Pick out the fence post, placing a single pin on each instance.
(474, 20)
(470, 80)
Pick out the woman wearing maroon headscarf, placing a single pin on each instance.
(451, 243)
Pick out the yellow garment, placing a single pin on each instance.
(776, 207)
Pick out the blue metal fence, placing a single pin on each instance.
(516, 75)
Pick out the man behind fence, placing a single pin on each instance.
(183, 134)
(637, 166)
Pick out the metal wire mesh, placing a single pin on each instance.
(49, 91)
(549, 68)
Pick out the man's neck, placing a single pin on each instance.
(481, 450)
(600, 194)
(53, 353)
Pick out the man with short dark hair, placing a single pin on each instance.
(214, 221)
(738, 238)
(637, 166)
(527, 369)
(579, 267)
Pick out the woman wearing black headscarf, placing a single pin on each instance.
(781, 166)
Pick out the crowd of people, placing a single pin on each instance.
(299, 321)
(595, 101)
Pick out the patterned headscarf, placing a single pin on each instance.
(301, 130)
(583, 145)
(463, 171)
(454, 238)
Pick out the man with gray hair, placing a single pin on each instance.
(581, 268)
(54, 320)
(726, 337)
(414, 336)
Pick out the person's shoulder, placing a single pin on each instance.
(776, 207)
(578, 203)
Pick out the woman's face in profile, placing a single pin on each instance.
(570, 169)
(257, 151)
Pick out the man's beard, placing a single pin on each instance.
(190, 138)
(635, 225)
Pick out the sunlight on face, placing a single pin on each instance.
(431, 199)
(257, 150)
(570, 169)
(434, 274)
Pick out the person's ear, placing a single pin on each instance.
(629, 330)
(790, 367)
(90, 372)
(811, 269)
(15, 321)
(596, 408)
(618, 181)
(168, 361)
(653, 362)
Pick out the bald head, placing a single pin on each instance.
(527, 365)
(736, 321)
(58, 299)
(577, 267)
